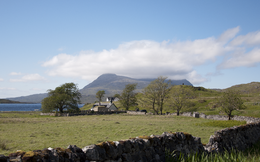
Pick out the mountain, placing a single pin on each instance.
(110, 83)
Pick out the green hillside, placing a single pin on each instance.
(249, 88)
(206, 101)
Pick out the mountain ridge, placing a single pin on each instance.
(110, 83)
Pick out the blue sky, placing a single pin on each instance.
(43, 44)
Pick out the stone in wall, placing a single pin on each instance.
(186, 114)
(202, 115)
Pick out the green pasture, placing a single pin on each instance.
(30, 131)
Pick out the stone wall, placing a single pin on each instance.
(219, 117)
(87, 112)
(136, 113)
(142, 148)
(146, 148)
(186, 114)
(237, 138)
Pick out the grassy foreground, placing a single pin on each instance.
(30, 131)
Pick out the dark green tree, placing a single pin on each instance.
(128, 96)
(100, 95)
(117, 95)
(64, 97)
(230, 101)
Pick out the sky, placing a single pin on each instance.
(44, 44)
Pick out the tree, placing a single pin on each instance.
(230, 101)
(150, 96)
(156, 93)
(179, 97)
(128, 97)
(117, 95)
(64, 97)
(100, 95)
(162, 88)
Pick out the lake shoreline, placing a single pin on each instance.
(22, 107)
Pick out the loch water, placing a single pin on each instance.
(23, 107)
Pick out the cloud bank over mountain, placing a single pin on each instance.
(147, 59)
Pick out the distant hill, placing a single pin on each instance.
(253, 87)
(8, 101)
(36, 98)
(110, 83)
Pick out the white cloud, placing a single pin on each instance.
(150, 59)
(139, 59)
(1, 79)
(15, 73)
(29, 77)
(229, 34)
(251, 39)
(242, 59)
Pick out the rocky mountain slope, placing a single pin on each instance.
(110, 83)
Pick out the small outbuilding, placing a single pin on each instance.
(100, 108)
(104, 107)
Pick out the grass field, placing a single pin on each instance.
(30, 131)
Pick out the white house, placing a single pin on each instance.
(111, 99)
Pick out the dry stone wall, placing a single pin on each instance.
(238, 138)
(87, 112)
(145, 148)
(219, 117)
(150, 148)
(136, 113)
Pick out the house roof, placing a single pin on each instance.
(102, 104)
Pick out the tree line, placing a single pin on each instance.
(161, 92)
(155, 96)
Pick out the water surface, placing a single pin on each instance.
(23, 107)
